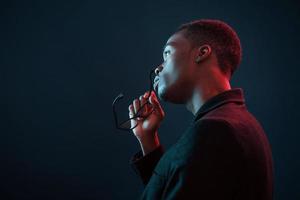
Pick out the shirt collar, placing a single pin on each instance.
(233, 95)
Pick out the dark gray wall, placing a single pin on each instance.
(63, 62)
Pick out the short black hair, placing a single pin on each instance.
(220, 36)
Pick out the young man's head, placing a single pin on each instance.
(203, 53)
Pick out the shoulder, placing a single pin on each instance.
(208, 137)
(210, 129)
(212, 123)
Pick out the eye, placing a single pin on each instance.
(167, 52)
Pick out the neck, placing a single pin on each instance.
(204, 92)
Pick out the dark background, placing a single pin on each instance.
(63, 63)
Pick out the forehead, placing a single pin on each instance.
(177, 40)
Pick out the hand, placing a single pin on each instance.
(146, 128)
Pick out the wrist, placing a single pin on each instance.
(149, 144)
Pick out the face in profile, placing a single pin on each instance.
(176, 79)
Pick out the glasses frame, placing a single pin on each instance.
(137, 114)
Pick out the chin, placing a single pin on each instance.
(170, 95)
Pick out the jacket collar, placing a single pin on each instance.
(235, 95)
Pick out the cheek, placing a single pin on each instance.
(174, 67)
(170, 72)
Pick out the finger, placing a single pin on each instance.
(143, 104)
(131, 111)
(146, 95)
(131, 114)
(136, 105)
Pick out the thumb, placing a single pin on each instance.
(154, 101)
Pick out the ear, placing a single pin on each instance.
(203, 52)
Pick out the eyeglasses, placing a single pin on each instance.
(126, 125)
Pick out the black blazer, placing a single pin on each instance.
(223, 154)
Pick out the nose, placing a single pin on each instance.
(158, 69)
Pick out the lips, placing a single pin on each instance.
(155, 84)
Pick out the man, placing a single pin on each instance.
(224, 153)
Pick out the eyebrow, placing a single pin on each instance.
(168, 44)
